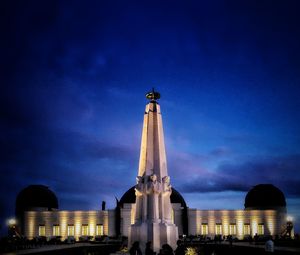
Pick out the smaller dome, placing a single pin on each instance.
(36, 196)
(128, 197)
(176, 198)
(264, 196)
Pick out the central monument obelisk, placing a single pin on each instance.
(153, 212)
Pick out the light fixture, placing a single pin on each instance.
(11, 222)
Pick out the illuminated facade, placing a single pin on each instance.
(238, 223)
(264, 213)
(68, 223)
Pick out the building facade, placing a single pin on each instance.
(51, 222)
(38, 213)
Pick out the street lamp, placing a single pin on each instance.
(11, 222)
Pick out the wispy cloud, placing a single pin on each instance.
(279, 171)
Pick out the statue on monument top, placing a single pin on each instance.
(153, 95)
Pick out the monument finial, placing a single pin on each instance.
(153, 95)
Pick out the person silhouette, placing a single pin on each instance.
(148, 249)
(166, 250)
(135, 249)
(180, 250)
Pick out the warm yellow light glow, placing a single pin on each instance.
(260, 229)
(211, 222)
(143, 152)
(42, 230)
(85, 230)
(289, 218)
(271, 225)
(253, 223)
(92, 223)
(239, 223)
(31, 224)
(77, 222)
(99, 230)
(218, 229)
(240, 218)
(190, 251)
(132, 219)
(232, 229)
(105, 223)
(56, 230)
(225, 221)
(71, 230)
(63, 217)
(247, 229)
(198, 222)
(207, 222)
(270, 221)
(11, 222)
(204, 229)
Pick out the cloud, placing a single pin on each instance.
(221, 152)
(279, 171)
(71, 161)
(187, 163)
(65, 118)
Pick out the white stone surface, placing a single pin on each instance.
(153, 213)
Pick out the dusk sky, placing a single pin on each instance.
(73, 80)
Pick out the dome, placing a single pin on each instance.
(264, 196)
(129, 197)
(36, 196)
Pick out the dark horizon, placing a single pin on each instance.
(74, 79)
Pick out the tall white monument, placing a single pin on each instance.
(153, 215)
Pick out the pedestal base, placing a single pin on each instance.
(157, 233)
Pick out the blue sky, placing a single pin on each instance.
(74, 76)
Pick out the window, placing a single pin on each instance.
(172, 216)
(232, 229)
(260, 229)
(71, 230)
(56, 230)
(246, 229)
(85, 230)
(42, 230)
(99, 230)
(204, 229)
(218, 229)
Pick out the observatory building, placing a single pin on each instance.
(152, 210)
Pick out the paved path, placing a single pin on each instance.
(53, 248)
(276, 248)
(77, 245)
